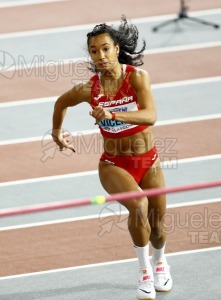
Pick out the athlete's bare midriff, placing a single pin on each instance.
(135, 144)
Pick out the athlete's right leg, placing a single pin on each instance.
(116, 180)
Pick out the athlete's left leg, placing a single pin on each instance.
(154, 178)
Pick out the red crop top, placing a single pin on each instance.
(125, 99)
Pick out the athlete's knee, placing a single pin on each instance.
(138, 206)
(157, 229)
(138, 210)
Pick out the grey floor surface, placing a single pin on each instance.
(193, 276)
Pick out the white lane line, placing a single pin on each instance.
(90, 217)
(27, 2)
(49, 178)
(96, 131)
(91, 26)
(192, 203)
(29, 101)
(43, 64)
(109, 263)
(155, 86)
(187, 120)
(186, 82)
(166, 164)
(47, 137)
(193, 159)
(183, 48)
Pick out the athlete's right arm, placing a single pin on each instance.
(78, 94)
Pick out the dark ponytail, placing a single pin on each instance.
(127, 37)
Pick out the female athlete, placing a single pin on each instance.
(123, 106)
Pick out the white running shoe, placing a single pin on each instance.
(145, 288)
(162, 279)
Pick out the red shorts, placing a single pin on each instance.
(137, 165)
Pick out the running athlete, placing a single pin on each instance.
(124, 109)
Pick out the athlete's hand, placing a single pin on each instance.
(62, 139)
(99, 113)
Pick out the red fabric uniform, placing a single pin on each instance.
(125, 99)
(137, 165)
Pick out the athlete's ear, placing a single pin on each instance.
(117, 49)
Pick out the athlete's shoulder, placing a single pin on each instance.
(139, 76)
(140, 79)
(82, 86)
(139, 72)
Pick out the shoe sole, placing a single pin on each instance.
(163, 291)
(146, 298)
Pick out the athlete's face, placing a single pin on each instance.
(103, 52)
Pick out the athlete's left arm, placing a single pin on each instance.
(140, 81)
(147, 115)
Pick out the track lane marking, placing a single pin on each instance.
(154, 86)
(95, 172)
(90, 217)
(26, 2)
(188, 252)
(162, 50)
(91, 25)
(96, 131)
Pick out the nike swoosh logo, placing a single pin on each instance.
(145, 291)
(166, 282)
